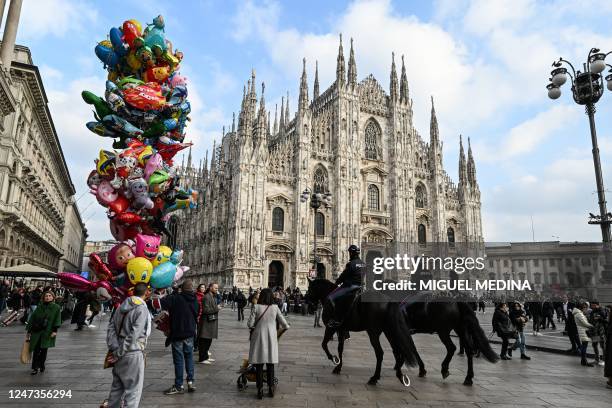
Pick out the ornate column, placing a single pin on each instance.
(10, 32)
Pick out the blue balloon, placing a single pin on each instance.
(108, 56)
(115, 39)
(163, 275)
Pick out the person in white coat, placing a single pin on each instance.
(582, 324)
(265, 316)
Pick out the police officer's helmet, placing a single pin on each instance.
(354, 249)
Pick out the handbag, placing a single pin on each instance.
(252, 329)
(212, 317)
(26, 356)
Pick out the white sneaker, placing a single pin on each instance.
(207, 362)
(102, 314)
(91, 326)
(601, 363)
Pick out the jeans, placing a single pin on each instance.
(240, 313)
(520, 342)
(182, 356)
(583, 351)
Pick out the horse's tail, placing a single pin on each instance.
(401, 337)
(471, 327)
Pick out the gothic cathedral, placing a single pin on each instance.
(354, 142)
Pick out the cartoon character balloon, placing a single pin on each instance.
(147, 246)
(139, 270)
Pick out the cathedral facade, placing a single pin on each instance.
(354, 143)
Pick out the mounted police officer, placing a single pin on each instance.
(349, 280)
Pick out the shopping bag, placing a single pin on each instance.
(26, 356)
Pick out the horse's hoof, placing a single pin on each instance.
(337, 370)
(422, 373)
(405, 380)
(335, 360)
(373, 381)
(445, 373)
(468, 381)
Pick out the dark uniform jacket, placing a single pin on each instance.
(353, 273)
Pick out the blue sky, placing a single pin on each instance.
(485, 62)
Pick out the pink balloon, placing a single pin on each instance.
(74, 281)
(180, 271)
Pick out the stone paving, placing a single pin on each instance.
(306, 380)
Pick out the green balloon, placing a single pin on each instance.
(102, 108)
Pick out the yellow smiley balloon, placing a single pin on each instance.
(162, 256)
(139, 270)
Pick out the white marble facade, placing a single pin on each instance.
(355, 141)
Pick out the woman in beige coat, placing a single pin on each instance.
(583, 325)
(263, 321)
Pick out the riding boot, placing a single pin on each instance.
(270, 379)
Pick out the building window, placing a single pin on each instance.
(278, 219)
(372, 137)
(552, 262)
(420, 196)
(506, 264)
(320, 223)
(450, 234)
(536, 262)
(568, 262)
(491, 264)
(422, 232)
(586, 261)
(320, 180)
(587, 278)
(537, 278)
(522, 276)
(521, 262)
(570, 278)
(373, 198)
(553, 278)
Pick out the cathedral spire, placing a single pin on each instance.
(434, 133)
(403, 84)
(393, 85)
(282, 116)
(253, 95)
(462, 166)
(275, 128)
(471, 165)
(287, 119)
(315, 91)
(303, 98)
(340, 72)
(352, 68)
(233, 122)
(189, 158)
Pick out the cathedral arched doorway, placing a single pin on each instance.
(276, 273)
(369, 260)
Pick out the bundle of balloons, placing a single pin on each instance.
(145, 110)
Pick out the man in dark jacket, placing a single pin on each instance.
(241, 302)
(572, 330)
(518, 317)
(349, 280)
(535, 309)
(183, 309)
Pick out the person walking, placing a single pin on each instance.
(241, 302)
(518, 317)
(264, 318)
(535, 309)
(209, 323)
(598, 319)
(503, 327)
(582, 324)
(183, 309)
(126, 339)
(572, 330)
(41, 328)
(548, 312)
(317, 314)
(4, 294)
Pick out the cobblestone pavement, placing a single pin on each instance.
(306, 380)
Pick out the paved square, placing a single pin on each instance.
(549, 380)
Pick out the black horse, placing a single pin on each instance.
(374, 318)
(442, 317)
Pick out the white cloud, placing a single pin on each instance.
(40, 19)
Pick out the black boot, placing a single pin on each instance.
(270, 379)
(260, 393)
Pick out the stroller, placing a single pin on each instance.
(247, 371)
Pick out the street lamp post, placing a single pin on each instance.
(316, 201)
(587, 88)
